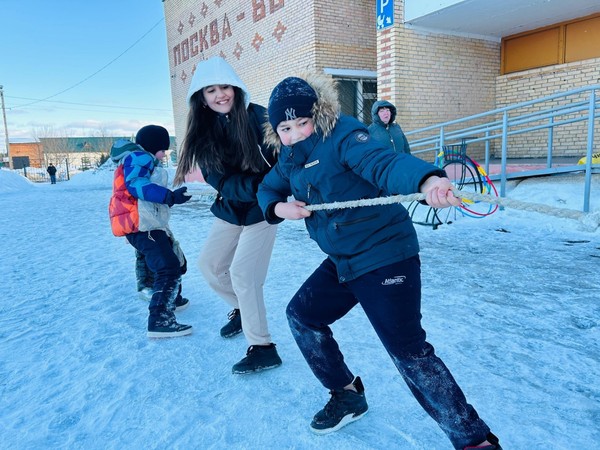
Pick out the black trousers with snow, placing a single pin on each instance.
(391, 298)
(157, 248)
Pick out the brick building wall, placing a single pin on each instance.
(266, 40)
(39, 157)
(33, 150)
(434, 78)
(570, 141)
(345, 34)
(441, 78)
(430, 77)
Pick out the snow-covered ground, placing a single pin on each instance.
(511, 302)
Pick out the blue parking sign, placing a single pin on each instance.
(385, 14)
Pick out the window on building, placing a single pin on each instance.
(357, 95)
(582, 39)
(575, 40)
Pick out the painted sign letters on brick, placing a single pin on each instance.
(208, 26)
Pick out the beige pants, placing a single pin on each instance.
(234, 262)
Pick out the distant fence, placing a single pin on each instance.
(38, 175)
(36, 171)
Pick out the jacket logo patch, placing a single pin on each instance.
(310, 164)
(361, 137)
(398, 279)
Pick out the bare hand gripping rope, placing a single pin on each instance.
(588, 219)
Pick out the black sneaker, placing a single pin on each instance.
(181, 303)
(234, 326)
(258, 358)
(494, 444)
(164, 324)
(344, 406)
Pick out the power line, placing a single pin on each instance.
(96, 72)
(81, 104)
(141, 112)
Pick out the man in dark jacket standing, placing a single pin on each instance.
(385, 130)
(52, 172)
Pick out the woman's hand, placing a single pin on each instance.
(439, 192)
(293, 210)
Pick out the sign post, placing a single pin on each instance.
(385, 14)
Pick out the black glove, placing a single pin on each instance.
(177, 197)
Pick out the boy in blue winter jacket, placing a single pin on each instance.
(373, 254)
(139, 210)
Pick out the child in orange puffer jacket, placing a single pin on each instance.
(139, 210)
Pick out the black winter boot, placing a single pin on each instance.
(494, 444)
(344, 406)
(234, 326)
(258, 358)
(164, 324)
(180, 304)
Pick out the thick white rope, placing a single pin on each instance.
(588, 219)
(591, 220)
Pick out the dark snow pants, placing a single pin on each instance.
(391, 299)
(143, 274)
(157, 248)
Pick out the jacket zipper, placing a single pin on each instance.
(337, 225)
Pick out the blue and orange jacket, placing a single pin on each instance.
(139, 191)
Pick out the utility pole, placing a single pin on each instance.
(5, 127)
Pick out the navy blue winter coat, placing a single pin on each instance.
(348, 165)
(391, 134)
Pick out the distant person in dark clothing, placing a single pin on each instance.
(52, 172)
(385, 130)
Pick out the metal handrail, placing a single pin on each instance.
(501, 125)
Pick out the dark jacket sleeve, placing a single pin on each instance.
(237, 186)
(394, 173)
(275, 188)
(232, 184)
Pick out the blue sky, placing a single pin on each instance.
(102, 66)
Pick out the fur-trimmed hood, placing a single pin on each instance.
(326, 110)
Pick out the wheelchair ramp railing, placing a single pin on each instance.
(549, 127)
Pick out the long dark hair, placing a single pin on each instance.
(212, 140)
